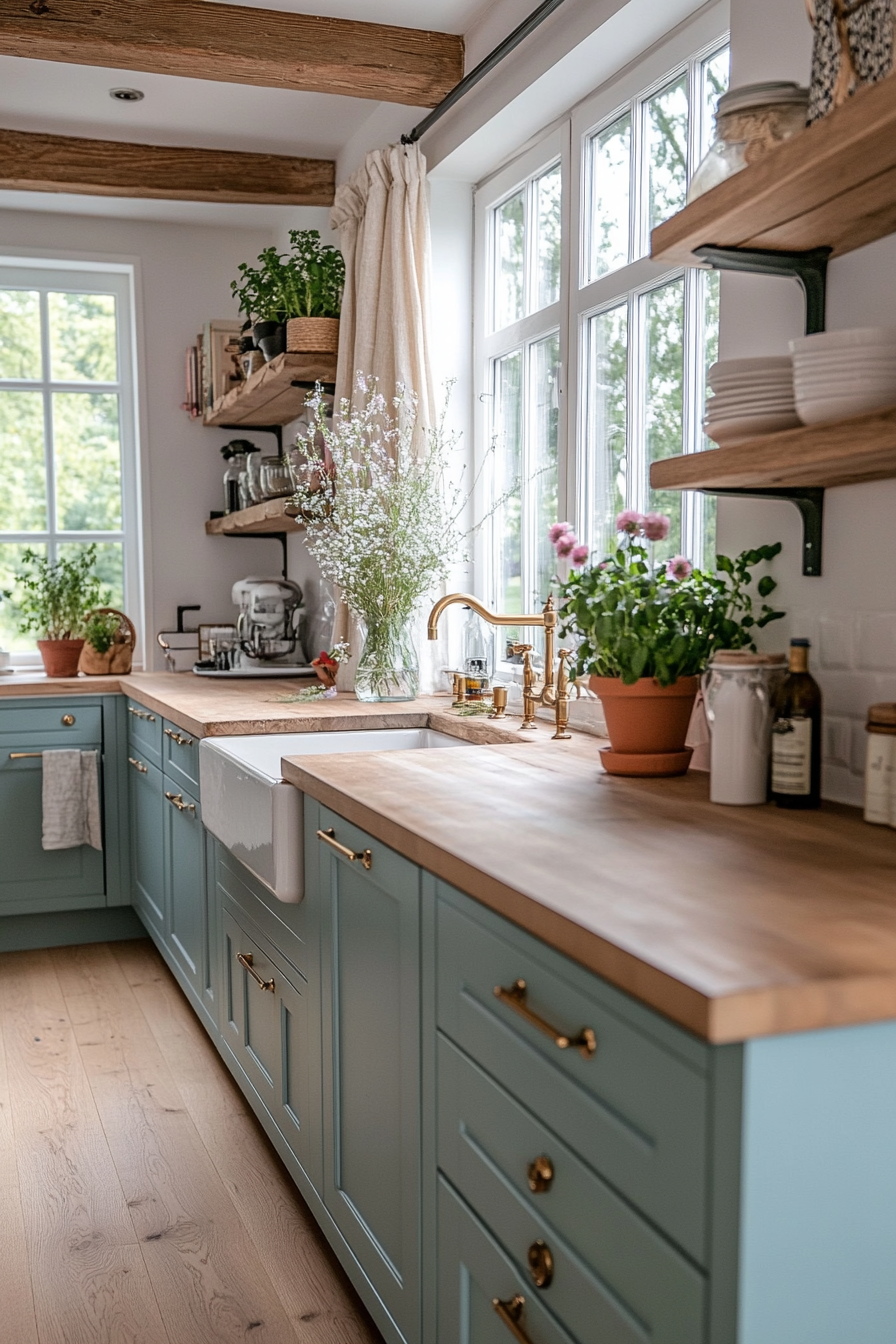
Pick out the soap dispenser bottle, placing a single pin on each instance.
(477, 652)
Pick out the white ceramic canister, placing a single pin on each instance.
(880, 765)
(738, 693)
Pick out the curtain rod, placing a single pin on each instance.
(479, 72)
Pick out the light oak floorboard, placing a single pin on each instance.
(89, 1279)
(318, 1299)
(16, 1301)
(209, 1280)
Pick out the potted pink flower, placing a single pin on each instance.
(647, 629)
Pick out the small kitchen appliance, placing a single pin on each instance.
(268, 632)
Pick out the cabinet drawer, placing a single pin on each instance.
(180, 752)
(473, 1272)
(265, 1025)
(144, 733)
(634, 1109)
(49, 727)
(610, 1267)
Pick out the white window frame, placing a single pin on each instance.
(490, 345)
(686, 48)
(116, 278)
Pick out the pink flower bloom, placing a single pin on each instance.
(679, 567)
(578, 555)
(557, 531)
(629, 521)
(656, 526)
(566, 544)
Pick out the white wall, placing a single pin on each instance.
(183, 278)
(850, 612)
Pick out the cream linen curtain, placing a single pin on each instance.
(382, 215)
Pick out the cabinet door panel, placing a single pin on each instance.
(145, 802)
(371, 1035)
(185, 862)
(34, 880)
(473, 1272)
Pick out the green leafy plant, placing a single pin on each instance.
(634, 618)
(101, 629)
(305, 282)
(54, 599)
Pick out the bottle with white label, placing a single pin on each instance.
(880, 766)
(796, 734)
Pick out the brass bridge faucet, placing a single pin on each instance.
(535, 692)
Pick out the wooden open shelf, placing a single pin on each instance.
(268, 397)
(272, 515)
(833, 185)
(844, 452)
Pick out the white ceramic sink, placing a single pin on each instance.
(259, 817)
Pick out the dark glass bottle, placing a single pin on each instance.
(796, 734)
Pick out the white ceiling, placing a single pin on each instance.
(445, 16)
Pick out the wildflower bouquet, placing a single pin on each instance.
(389, 530)
(636, 618)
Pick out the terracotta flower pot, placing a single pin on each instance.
(60, 656)
(647, 721)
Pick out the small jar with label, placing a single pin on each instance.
(880, 765)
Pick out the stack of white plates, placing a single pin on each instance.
(841, 373)
(752, 397)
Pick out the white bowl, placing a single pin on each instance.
(846, 359)
(750, 398)
(741, 428)
(749, 366)
(817, 410)
(841, 340)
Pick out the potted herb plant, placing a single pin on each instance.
(647, 629)
(294, 299)
(109, 642)
(53, 602)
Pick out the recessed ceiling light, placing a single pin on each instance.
(127, 95)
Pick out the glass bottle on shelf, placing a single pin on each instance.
(796, 734)
(236, 465)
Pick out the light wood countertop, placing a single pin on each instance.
(734, 922)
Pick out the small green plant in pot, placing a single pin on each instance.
(298, 293)
(53, 601)
(646, 630)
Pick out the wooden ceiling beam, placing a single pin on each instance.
(238, 45)
(32, 162)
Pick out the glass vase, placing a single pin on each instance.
(388, 668)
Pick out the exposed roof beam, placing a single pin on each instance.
(238, 45)
(30, 162)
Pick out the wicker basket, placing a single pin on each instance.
(312, 334)
(118, 657)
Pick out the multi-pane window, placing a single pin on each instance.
(593, 358)
(66, 412)
(523, 339)
(646, 338)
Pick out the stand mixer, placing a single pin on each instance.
(268, 625)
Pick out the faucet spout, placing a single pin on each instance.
(493, 618)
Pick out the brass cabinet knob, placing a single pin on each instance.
(540, 1174)
(541, 1264)
(68, 720)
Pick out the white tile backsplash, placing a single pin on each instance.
(876, 641)
(835, 639)
(837, 746)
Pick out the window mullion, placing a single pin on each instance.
(636, 474)
(49, 436)
(692, 405)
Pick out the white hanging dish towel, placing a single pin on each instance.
(71, 800)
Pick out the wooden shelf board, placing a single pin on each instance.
(268, 397)
(844, 452)
(269, 516)
(833, 185)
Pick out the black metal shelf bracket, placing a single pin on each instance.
(809, 499)
(809, 269)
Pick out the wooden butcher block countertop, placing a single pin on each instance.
(734, 922)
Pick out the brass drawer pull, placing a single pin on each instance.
(176, 737)
(515, 998)
(25, 755)
(541, 1264)
(364, 856)
(141, 714)
(245, 959)
(68, 720)
(511, 1313)
(177, 800)
(540, 1174)
(138, 765)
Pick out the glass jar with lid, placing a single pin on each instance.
(749, 122)
(276, 478)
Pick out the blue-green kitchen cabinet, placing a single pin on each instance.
(36, 882)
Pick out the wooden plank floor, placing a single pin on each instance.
(140, 1201)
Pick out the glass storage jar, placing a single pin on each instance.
(749, 121)
(738, 693)
(276, 478)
